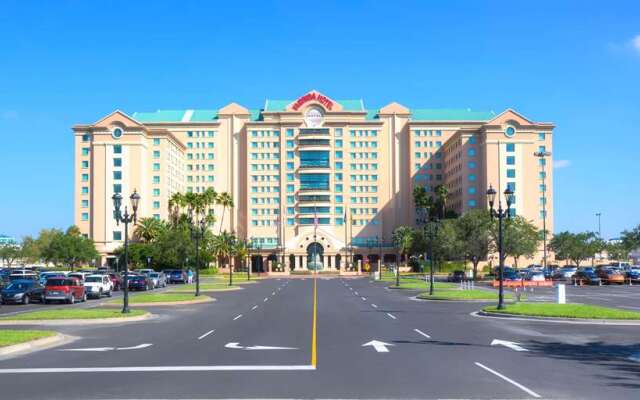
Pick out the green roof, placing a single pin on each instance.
(203, 115)
(280, 105)
(159, 116)
(422, 114)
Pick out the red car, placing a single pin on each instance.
(68, 290)
(116, 279)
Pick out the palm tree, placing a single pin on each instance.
(225, 200)
(442, 195)
(403, 237)
(148, 229)
(422, 200)
(176, 203)
(223, 247)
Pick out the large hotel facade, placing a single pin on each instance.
(314, 180)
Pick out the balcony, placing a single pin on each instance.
(314, 142)
(314, 198)
(314, 131)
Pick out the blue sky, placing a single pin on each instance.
(574, 63)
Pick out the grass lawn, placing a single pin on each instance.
(237, 277)
(456, 294)
(10, 337)
(566, 311)
(204, 286)
(159, 298)
(421, 285)
(76, 313)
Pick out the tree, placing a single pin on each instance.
(631, 239)
(576, 247)
(148, 229)
(223, 247)
(176, 203)
(442, 195)
(521, 238)
(617, 251)
(473, 230)
(9, 254)
(71, 248)
(225, 200)
(403, 237)
(241, 250)
(30, 250)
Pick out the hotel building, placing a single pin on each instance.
(311, 177)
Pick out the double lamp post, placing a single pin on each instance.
(501, 214)
(126, 219)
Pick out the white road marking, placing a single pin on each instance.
(236, 346)
(511, 381)
(206, 334)
(140, 346)
(237, 317)
(364, 298)
(422, 333)
(374, 306)
(91, 349)
(380, 347)
(512, 345)
(356, 293)
(265, 299)
(253, 308)
(391, 315)
(182, 368)
(273, 293)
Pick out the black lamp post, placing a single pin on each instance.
(248, 245)
(500, 214)
(433, 233)
(148, 262)
(197, 226)
(126, 218)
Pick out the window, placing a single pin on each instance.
(542, 188)
(541, 136)
(289, 133)
(542, 175)
(156, 205)
(338, 165)
(117, 162)
(472, 177)
(471, 152)
(510, 131)
(511, 186)
(85, 177)
(471, 165)
(86, 137)
(289, 144)
(511, 147)
(338, 188)
(117, 235)
(472, 140)
(290, 177)
(289, 166)
(471, 190)
(511, 160)
(338, 154)
(85, 216)
(85, 190)
(291, 199)
(542, 149)
(117, 133)
(156, 166)
(543, 200)
(542, 161)
(338, 142)
(338, 176)
(338, 132)
(84, 203)
(471, 203)
(156, 217)
(117, 175)
(156, 192)
(156, 154)
(339, 198)
(310, 159)
(117, 188)
(511, 173)
(156, 141)
(85, 151)
(290, 188)
(85, 164)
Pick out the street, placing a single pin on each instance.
(371, 342)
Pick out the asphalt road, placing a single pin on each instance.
(433, 350)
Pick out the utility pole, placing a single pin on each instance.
(598, 214)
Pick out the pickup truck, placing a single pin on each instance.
(98, 285)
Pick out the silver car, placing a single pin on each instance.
(158, 279)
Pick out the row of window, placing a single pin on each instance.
(427, 133)
(202, 134)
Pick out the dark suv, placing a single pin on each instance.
(22, 291)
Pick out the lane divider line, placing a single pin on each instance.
(511, 381)
(364, 298)
(237, 317)
(374, 306)
(253, 308)
(265, 299)
(391, 315)
(206, 334)
(314, 328)
(422, 333)
(181, 368)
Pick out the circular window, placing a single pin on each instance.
(510, 131)
(117, 133)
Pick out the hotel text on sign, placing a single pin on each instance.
(328, 104)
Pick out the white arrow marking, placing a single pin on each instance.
(380, 347)
(512, 345)
(236, 346)
(140, 346)
(91, 349)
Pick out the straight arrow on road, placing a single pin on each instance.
(236, 346)
(512, 345)
(100, 349)
(380, 347)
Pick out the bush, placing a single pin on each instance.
(209, 271)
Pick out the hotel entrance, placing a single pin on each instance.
(315, 256)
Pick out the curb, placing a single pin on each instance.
(35, 345)
(96, 321)
(207, 290)
(205, 299)
(454, 300)
(557, 320)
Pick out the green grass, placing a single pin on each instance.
(204, 286)
(10, 337)
(421, 285)
(159, 298)
(566, 311)
(456, 294)
(75, 313)
(237, 277)
(209, 271)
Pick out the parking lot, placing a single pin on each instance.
(619, 296)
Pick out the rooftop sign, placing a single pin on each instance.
(313, 96)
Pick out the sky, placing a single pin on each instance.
(574, 63)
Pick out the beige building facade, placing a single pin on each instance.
(315, 181)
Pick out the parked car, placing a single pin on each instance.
(178, 276)
(621, 265)
(610, 275)
(23, 275)
(139, 282)
(51, 274)
(144, 271)
(633, 274)
(456, 276)
(80, 275)
(564, 273)
(158, 279)
(587, 276)
(536, 276)
(116, 280)
(22, 291)
(98, 285)
(68, 289)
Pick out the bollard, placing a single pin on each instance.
(561, 294)
(473, 284)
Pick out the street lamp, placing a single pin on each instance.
(542, 155)
(248, 245)
(126, 218)
(500, 214)
(197, 227)
(148, 262)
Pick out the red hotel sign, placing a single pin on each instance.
(328, 104)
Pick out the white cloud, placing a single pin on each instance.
(635, 43)
(557, 164)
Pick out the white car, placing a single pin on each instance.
(98, 285)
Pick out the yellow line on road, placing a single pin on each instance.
(314, 326)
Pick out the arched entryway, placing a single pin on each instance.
(315, 256)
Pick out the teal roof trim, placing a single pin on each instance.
(255, 115)
(204, 115)
(371, 115)
(451, 115)
(159, 116)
